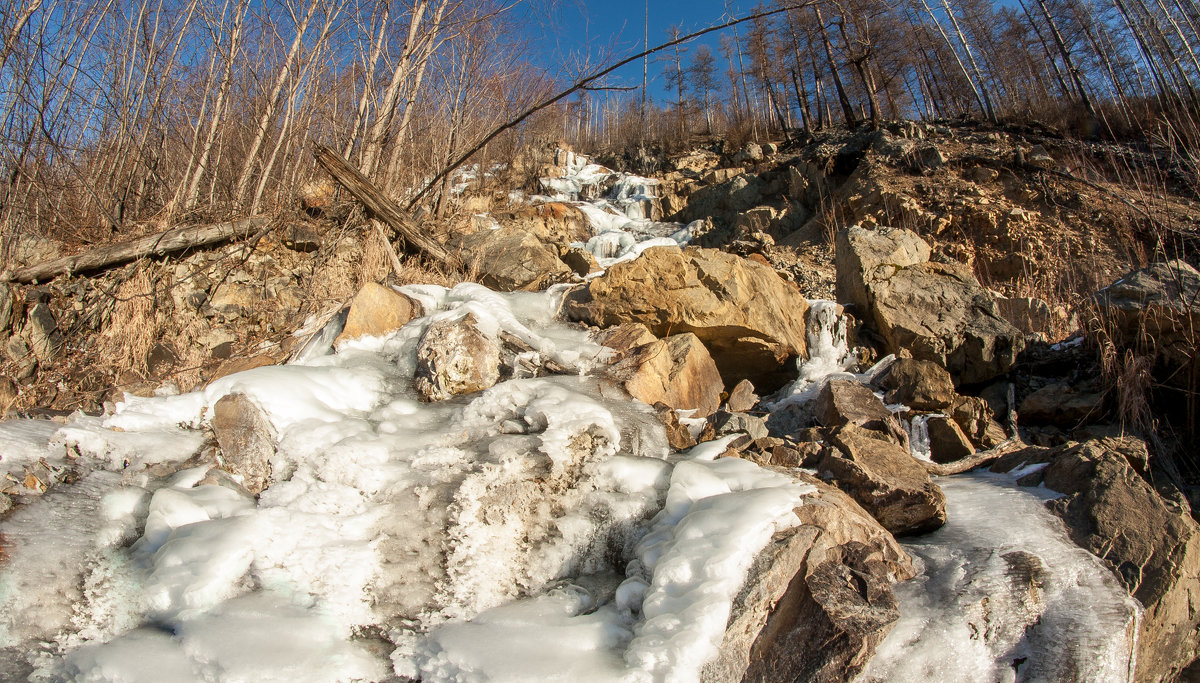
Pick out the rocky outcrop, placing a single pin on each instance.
(509, 259)
(751, 320)
(885, 479)
(377, 310)
(677, 371)
(247, 440)
(822, 587)
(455, 357)
(1151, 543)
(938, 311)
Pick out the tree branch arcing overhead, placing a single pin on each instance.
(582, 84)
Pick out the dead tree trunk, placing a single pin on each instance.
(382, 207)
(186, 237)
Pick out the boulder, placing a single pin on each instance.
(885, 479)
(677, 371)
(455, 357)
(846, 401)
(725, 422)
(863, 257)
(1061, 405)
(947, 441)
(1152, 544)
(742, 398)
(625, 337)
(247, 440)
(45, 339)
(375, 311)
(918, 384)
(509, 259)
(581, 261)
(974, 417)
(824, 586)
(938, 311)
(751, 319)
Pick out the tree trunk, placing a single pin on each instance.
(382, 207)
(186, 237)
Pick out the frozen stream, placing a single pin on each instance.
(538, 530)
(1006, 596)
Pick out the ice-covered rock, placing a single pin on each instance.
(1150, 543)
(456, 357)
(1004, 595)
(246, 439)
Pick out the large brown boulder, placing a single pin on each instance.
(510, 259)
(751, 320)
(676, 371)
(938, 311)
(918, 384)
(846, 401)
(1152, 544)
(377, 310)
(885, 479)
(818, 599)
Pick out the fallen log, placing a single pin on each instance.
(176, 239)
(383, 208)
(971, 462)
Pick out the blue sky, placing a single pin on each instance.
(579, 28)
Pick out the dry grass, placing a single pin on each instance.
(134, 326)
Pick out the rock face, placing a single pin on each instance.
(885, 479)
(918, 384)
(377, 310)
(1060, 404)
(938, 311)
(1151, 544)
(677, 371)
(456, 357)
(510, 259)
(247, 440)
(822, 587)
(751, 320)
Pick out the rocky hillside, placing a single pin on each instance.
(818, 410)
